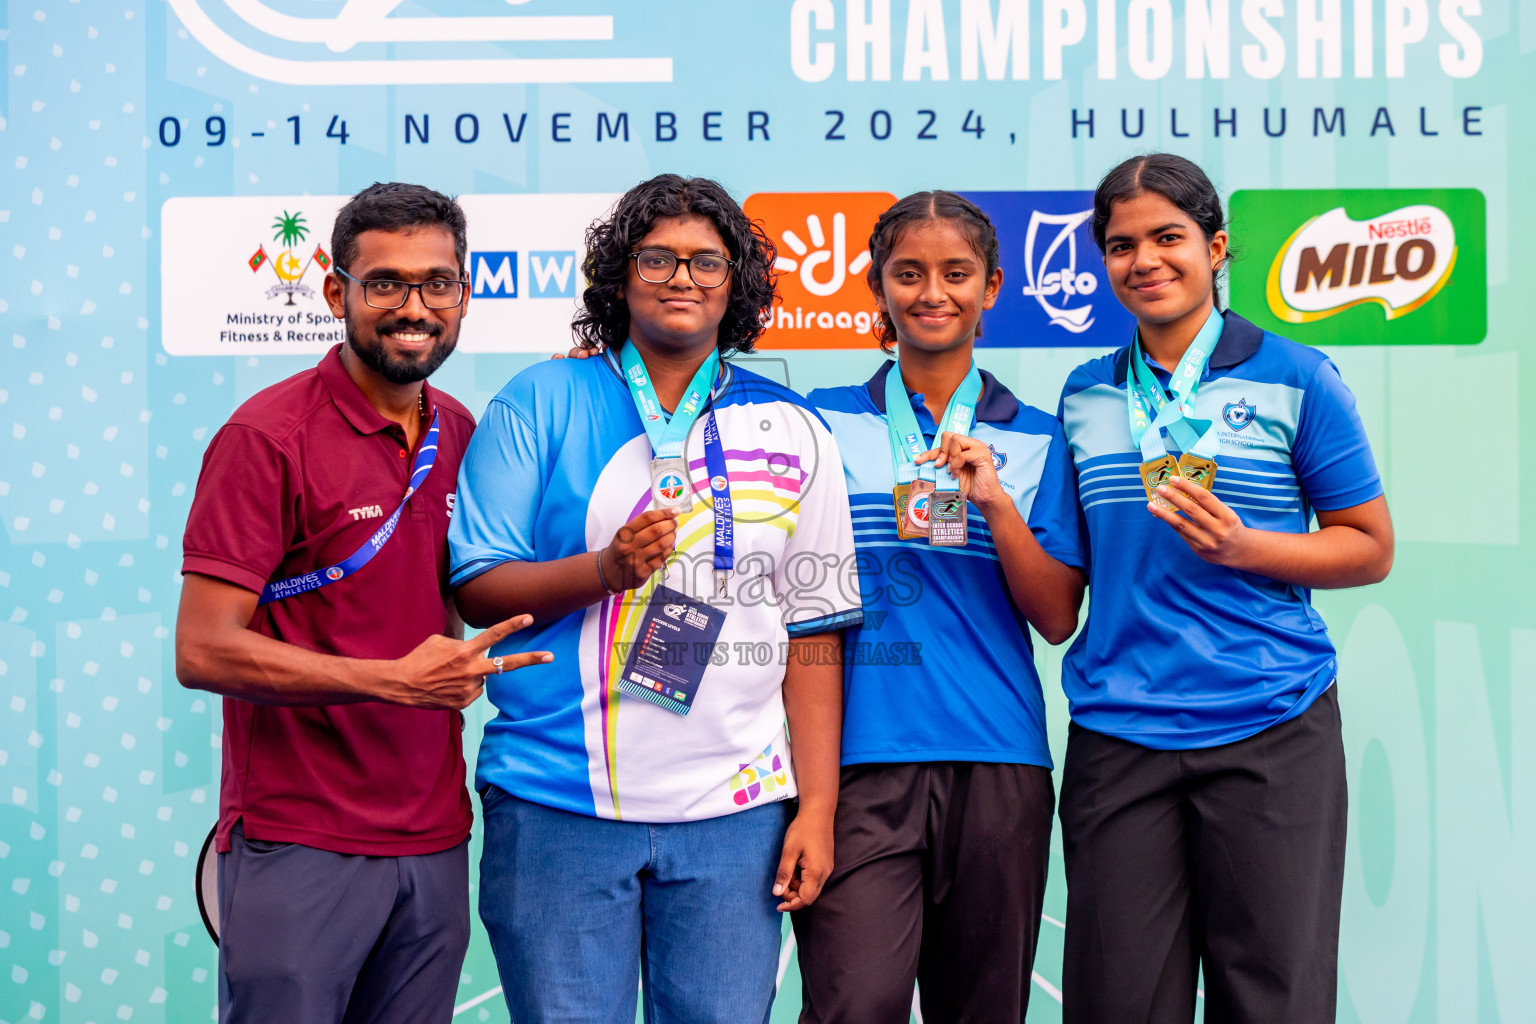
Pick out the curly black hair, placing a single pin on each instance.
(604, 316)
(921, 208)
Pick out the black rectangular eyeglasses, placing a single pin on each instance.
(386, 294)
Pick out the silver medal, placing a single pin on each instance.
(671, 486)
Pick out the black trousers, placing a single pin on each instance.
(939, 877)
(1229, 858)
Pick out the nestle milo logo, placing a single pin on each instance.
(1332, 262)
(1363, 266)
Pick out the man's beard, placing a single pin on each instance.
(407, 368)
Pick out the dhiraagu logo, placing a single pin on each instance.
(823, 245)
(1363, 266)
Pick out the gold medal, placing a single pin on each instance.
(1158, 471)
(1196, 470)
(899, 500)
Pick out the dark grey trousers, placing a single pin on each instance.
(1229, 858)
(938, 878)
(330, 938)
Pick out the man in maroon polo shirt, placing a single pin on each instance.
(343, 817)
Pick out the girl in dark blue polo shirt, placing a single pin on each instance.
(1203, 799)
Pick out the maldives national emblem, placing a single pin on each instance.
(289, 230)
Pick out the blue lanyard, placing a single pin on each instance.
(1197, 437)
(720, 491)
(906, 436)
(316, 579)
(667, 435)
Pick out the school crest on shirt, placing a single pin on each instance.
(1237, 414)
(999, 459)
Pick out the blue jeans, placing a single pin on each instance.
(580, 909)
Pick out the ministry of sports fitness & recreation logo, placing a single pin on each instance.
(1363, 266)
(289, 230)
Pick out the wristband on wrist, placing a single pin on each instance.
(601, 576)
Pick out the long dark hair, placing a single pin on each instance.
(604, 316)
(921, 208)
(1177, 180)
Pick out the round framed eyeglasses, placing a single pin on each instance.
(706, 269)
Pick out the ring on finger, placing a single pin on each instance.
(500, 663)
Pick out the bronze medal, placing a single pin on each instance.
(919, 497)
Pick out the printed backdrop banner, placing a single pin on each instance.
(172, 169)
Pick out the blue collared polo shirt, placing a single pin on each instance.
(941, 668)
(1179, 653)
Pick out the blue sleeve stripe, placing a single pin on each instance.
(475, 567)
(825, 623)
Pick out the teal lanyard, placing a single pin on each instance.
(667, 435)
(1142, 391)
(907, 437)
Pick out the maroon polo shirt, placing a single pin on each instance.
(298, 479)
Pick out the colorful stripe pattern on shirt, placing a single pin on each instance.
(559, 465)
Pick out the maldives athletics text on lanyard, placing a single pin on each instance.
(316, 579)
(671, 484)
(922, 509)
(1197, 439)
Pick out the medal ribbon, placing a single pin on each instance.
(303, 584)
(1197, 437)
(667, 435)
(906, 436)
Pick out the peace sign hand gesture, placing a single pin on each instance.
(446, 673)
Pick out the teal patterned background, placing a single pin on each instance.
(109, 769)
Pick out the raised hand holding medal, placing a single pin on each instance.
(969, 463)
(929, 509)
(671, 475)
